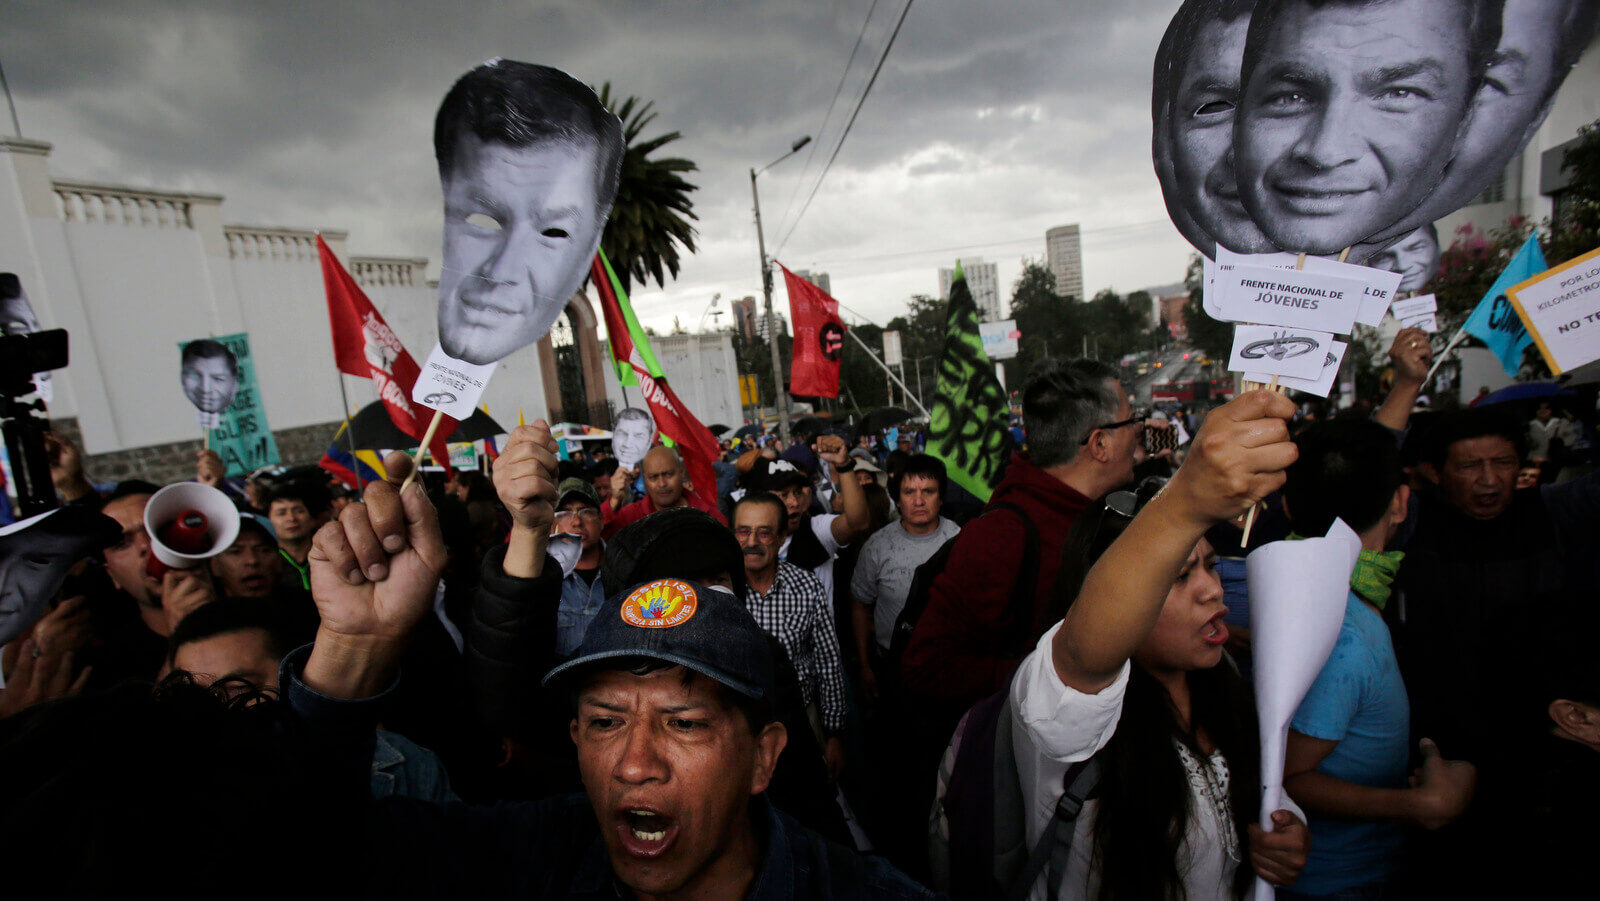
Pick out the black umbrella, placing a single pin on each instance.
(747, 431)
(882, 418)
(372, 429)
(716, 429)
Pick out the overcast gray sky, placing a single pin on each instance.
(990, 122)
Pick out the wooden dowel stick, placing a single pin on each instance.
(422, 452)
(1344, 254)
(1300, 263)
(1250, 518)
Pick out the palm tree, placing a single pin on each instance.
(651, 215)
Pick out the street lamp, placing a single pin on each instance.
(782, 400)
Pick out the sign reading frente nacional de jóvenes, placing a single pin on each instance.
(1295, 298)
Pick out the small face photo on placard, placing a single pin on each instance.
(1350, 112)
(1416, 258)
(209, 373)
(632, 436)
(529, 161)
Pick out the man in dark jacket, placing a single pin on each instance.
(671, 693)
(1083, 438)
(512, 628)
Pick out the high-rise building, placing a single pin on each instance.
(1063, 251)
(983, 280)
(820, 279)
(744, 317)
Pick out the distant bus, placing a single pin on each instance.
(1192, 390)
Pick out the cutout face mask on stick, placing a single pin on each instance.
(529, 161)
(632, 436)
(209, 373)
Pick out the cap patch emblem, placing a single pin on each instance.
(661, 604)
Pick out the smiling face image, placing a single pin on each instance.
(1350, 113)
(1416, 258)
(1524, 72)
(1197, 124)
(521, 224)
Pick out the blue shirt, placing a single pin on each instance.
(580, 601)
(1360, 702)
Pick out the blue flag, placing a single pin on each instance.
(1495, 322)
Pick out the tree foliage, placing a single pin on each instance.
(650, 219)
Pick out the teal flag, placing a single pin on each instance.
(1495, 322)
(967, 425)
(241, 436)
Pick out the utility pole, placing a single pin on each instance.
(782, 391)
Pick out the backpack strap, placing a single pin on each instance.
(1021, 639)
(1050, 853)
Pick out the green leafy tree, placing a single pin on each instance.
(1051, 325)
(1213, 337)
(650, 219)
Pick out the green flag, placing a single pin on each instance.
(967, 426)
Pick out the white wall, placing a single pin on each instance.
(701, 369)
(129, 287)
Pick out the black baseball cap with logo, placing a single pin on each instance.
(579, 489)
(675, 621)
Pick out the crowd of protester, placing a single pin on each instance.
(834, 673)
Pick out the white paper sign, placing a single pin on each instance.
(1297, 298)
(1298, 591)
(449, 385)
(1321, 386)
(1427, 322)
(1561, 309)
(1379, 286)
(1274, 350)
(1412, 307)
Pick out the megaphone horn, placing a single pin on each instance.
(188, 524)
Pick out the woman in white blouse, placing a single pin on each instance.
(1137, 668)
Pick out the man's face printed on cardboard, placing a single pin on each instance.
(210, 383)
(1349, 118)
(520, 227)
(1352, 123)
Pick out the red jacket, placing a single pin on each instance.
(644, 506)
(955, 650)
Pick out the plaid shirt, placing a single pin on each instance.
(796, 611)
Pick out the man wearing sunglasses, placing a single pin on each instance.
(578, 514)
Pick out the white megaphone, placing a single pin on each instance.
(188, 524)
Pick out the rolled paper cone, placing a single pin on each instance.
(1298, 592)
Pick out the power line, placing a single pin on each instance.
(856, 112)
(825, 116)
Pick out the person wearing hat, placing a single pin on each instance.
(866, 470)
(249, 567)
(578, 514)
(671, 697)
(811, 542)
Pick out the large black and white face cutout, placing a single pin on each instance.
(528, 163)
(1353, 122)
(35, 555)
(1196, 97)
(209, 373)
(1540, 41)
(635, 431)
(1349, 114)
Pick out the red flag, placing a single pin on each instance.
(363, 346)
(818, 338)
(631, 347)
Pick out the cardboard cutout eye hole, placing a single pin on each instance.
(484, 221)
(554, 233)
(1214, 107)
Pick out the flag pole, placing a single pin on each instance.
(1461, 335)
(350, 430)
(906, 391)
